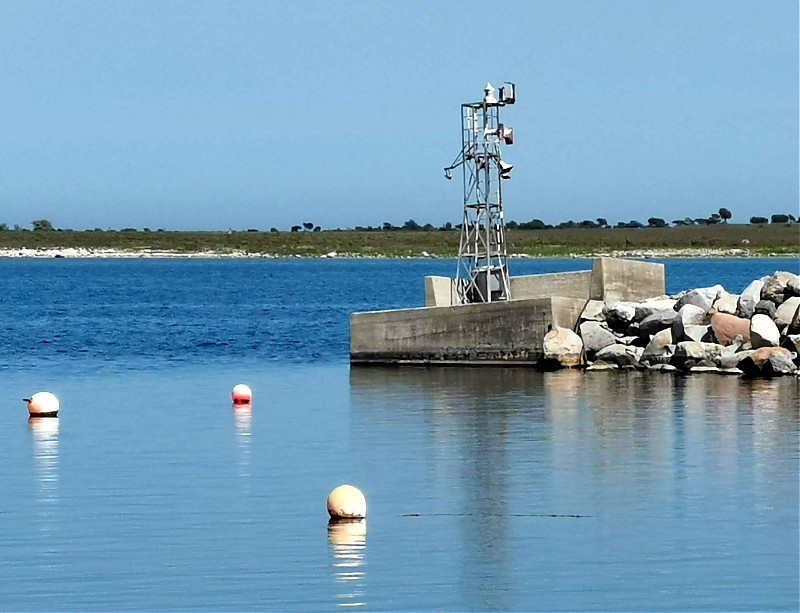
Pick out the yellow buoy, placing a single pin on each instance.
(42, 404)
(347, 502)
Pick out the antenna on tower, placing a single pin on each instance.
(482, 274)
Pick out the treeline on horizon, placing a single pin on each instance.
(721, 217)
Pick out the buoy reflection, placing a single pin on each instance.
(348, 539)
(45, 456)
(243, 418)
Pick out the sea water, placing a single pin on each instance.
(487, 489)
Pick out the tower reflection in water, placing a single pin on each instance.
(45, 455)
(348, 539)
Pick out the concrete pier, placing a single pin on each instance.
(500, 332)
(495, 333)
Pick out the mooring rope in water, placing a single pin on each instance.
(547, 515)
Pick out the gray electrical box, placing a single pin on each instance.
(490, 284)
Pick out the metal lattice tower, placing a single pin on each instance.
(482, 273)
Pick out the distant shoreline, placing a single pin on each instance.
(721, 240)
(108, 253)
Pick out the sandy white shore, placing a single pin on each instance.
(83, 252)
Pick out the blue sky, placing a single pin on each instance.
(209, 115)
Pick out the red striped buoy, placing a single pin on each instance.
(242, 394)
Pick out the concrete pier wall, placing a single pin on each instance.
(614, 280)
(567, 284)
(610, 279)
(440, 291)
(500, 332)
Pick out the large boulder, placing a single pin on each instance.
(650, 306)
(690, 353)
(764, 332)
(699, 334)
(562, 347)
(596, 335)
(768, 361)
(726, 303)
(657, 321)
(619, 315)
(727, 327)
(660, 348)
(765, 307)
(774, 288)
(792, 343)
(793, 285)
(593, 311)
(749, 298)
(731, 359)
(702, 297)
(621, 355)
(688, 315)
(788, 313)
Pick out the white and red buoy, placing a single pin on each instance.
(347, 502)
(241, 394)
(42, 404)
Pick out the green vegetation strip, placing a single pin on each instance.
(778, 239)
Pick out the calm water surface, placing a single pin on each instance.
(488, 489)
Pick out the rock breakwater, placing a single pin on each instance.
(706, 329)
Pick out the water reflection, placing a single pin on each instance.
(243, 418)
(348, 539)
(635, 408)
(44, 432)
(505, 442)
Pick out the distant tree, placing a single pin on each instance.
(512, 225)
(714, 218)
(587, 223)
(16, 227)
(3, 227)
(273, 229)
(308, 225)
(759, 220)
(252, 229)
(725, 215)
(566, 225)
(601, 222)
(42, 225)
(533, 224)
(678, 222)
(780, 218)
(146, 230)
(701, 221)
(296, 228)
(411, 225)
(792, 218)
(317, 229)
(387, 226)
(428, 227)
(656, 222)
(634, 224)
